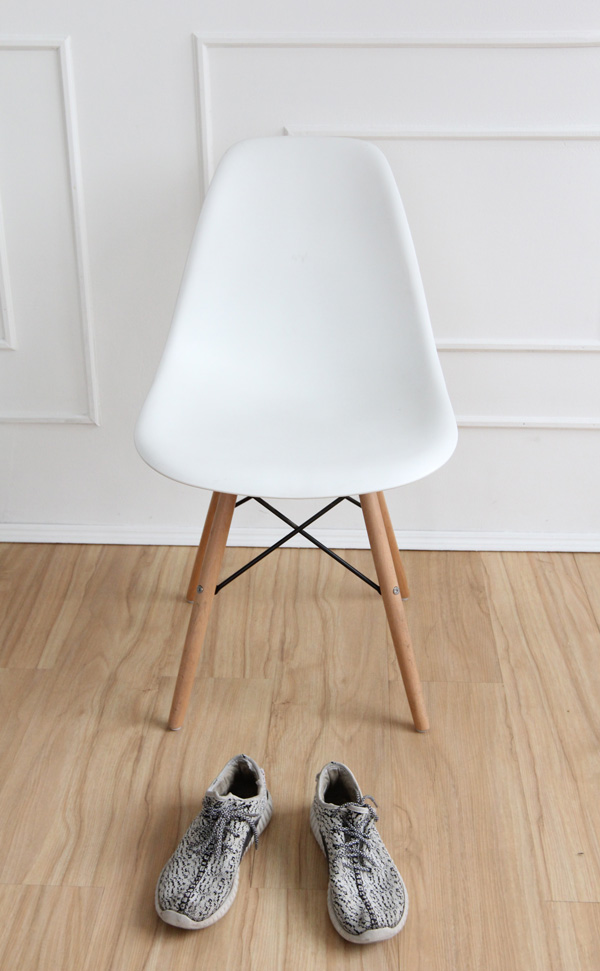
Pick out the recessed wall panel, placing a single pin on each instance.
(524, 388)
(495, 146)
(442, 86)
(507, 232)
(47, 377)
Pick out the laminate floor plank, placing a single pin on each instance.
(588, 565)
(58, 797)
(34, 580)
(463, 841)
(577, 930)
(251, 616)
(449, 617)
(123, 613)
(447, 612)
(46, 928)
(548, 643)
(21, 694)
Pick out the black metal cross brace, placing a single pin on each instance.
(301, 529)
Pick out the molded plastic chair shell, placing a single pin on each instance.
(301, 361)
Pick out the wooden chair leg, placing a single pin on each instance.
(195, 577)
(398, 566)
(209, 575)
(384, 565)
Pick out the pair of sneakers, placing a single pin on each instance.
(366, 897)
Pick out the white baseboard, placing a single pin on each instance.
(334, 538)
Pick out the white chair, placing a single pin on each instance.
(300, 362)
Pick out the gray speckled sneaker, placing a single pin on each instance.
(366, 898)
(199, 883)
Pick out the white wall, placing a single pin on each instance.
(490, 117)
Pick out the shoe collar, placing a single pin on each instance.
(219, 787)
(338, 772)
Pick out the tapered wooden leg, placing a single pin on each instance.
(195, 577)
(398, 567)
(390, 592)
(209, 575)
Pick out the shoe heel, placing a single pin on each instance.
(265, 819)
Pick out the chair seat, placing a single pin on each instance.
(301, 361)
(268, 451)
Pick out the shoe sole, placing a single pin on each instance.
(367, 937)
(175, 919)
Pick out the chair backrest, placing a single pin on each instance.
(301, 352)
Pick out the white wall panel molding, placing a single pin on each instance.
(8, 337)
(451, 134)
(584, 423)
(539, 41)
(81, 404)
(528, 421)
(80, 230)
(524, 39)
(204, 108)
(264, 536)
(498, 386)
(521, 347)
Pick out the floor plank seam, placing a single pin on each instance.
(576, 903)
(499, 683)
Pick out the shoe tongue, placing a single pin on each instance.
(359, 815)
(354, 798)
(356, 810)
(216, 797)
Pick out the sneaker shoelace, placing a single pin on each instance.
(356, 827)
(221, 815)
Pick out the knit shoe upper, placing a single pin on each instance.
(198, 884)
(367, 899)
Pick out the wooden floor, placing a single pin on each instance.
(493, 818)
